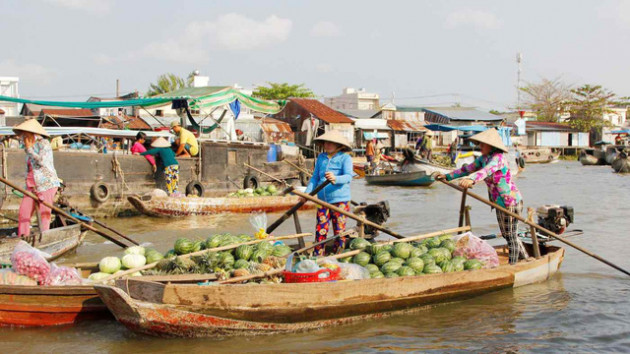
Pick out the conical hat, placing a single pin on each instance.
(31, 126)
(160, 143)
(335, 136)
(490, 137)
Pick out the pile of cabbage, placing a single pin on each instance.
(258, 192)
(133, 257)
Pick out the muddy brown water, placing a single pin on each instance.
(586, 307)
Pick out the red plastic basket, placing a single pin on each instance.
(332, 274)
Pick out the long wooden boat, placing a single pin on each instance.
(621, 163)
(190, 310)
(55, 242)
(539, 155)
(30, 306)
(178, 207)
(415, 178)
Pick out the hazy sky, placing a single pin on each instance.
(427, 52)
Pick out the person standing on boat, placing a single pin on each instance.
(369, 151)
(335, 166)
(186, 142)
(492, 167)
(138, 148)
(162, 148)
(41, 176)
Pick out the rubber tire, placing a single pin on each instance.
(251, 181)
(195, 188)
(521, 162)
(99, 192)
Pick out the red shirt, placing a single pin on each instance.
(139, 148)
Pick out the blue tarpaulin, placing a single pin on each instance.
(448, 128)
(622, 131)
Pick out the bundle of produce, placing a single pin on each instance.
(9, 277)
(60, 275)
(262, 191)
(474, 248)
(30, 262)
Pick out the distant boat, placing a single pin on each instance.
(539, 155)
(410, 179)
(621, 164)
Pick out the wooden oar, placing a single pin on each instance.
(344, 255)
(295, 208)
(9, 218)
(101, 224)
(266, 174)
(534, 225)
(216, 249)
(62, 212)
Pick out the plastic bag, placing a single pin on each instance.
(259, 222)
(31, 262)
(9, 277)
(60, 275)
(351, 271)
(472, 247)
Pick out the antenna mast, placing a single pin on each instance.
(519, 59)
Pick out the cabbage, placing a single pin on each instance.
(98, 276)
(135, 250)
(109, 265)
(135, 274)
(131, 261)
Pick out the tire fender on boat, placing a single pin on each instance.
(195, 188)
(99, 192)
(251, 181)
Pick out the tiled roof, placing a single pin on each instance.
(129, 122)
(68, 112)
(548, 126)
(463, 113)
(406, 126)
(321, 111)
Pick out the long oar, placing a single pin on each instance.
(544, 230)
(103, 225)
(266, 174)
(294, 208)
(344, 255)
(62, 212)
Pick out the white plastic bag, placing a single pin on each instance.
(31, 262)
(60, 275)
(259, 222)
(472, 247)
(351, 271)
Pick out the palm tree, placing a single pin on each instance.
(166, 83)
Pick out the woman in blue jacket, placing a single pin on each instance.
(335, 166)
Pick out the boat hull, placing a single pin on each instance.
(411, 179)
(179, 207)
(252, 309)
(55, 242)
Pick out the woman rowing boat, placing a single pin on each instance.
(492, 167)
(335, 166)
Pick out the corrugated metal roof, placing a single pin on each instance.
(406, 126)
(68, 112)
(270, 125)
(549, 126)
(321, 111)
(463, 113)
(359, 113)
(373, 123)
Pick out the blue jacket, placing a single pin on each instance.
(341, 166)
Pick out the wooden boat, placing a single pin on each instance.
(191, 310)
(22, 305)
(56, 241)
(588, 157)
(539, 155)
(177, 207)
(359, 169)
(621, 164)
(412, 179)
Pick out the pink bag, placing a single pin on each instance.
(29, 261)
(472, 247)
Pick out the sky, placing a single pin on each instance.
(414, 52)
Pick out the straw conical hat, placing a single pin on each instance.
(490, 137)
(334, 136)
(31, 126)
(160, 143)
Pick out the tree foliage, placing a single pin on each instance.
(547, 98)
(282, 91)
(166, 83)
(588, 106)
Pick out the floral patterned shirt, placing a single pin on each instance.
(494, 170)
(40, 158)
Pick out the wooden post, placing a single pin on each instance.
(298, 229)
(467, 212)
(462, 208)
(534, 235)
(361, 229)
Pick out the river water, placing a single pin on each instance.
(586, 307)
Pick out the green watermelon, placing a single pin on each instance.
(213, 241)
(281, 250)
(198, 246)
(241, 264)
(345, 259)
(427, 259)
(417, 264)
(388, 247)
(259, 255)
(382, 258)
(447, 267)
(226, 260)
(417, 252)
(438, 254)
(405, 271)
(244, 252)
(458, 266)
(170, 254)
(433, 242)
(259, 190)
(375, 248)
(448, 244)
(473, 264)
(398, 260)
(183, 246)
(377, 275)
(372, 268)
(362, 259)
(458, 259)
(359, 244)
(244, 238)
(391, 275)
(390, 267)
(432, 269)
(272, 189)
(153, 256)
(446, 237)
(265, 245)
(401, 250)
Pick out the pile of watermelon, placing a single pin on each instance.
(263, 191)
(430, 256)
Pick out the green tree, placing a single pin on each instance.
(166, 83)
(547, 98)
(282, 91)
(589, 105)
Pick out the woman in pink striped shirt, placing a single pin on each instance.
(138, 148)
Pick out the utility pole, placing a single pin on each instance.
(519, 59)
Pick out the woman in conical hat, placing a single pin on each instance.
(492, 167)
(162, 149)
(335, 166)
(41, 176)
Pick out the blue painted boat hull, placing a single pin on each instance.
(409, 179)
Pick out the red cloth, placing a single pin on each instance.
(139, 148)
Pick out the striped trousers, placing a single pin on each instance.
(509, 229)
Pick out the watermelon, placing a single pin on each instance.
(259, 255)
(372, 268)
(272, 189)
(226, 260)
(170, 254)
(458, 259)
(259, 190)
(359, 244)
(448, 244)
(391, 275)
(401, 250)
(390, 267)
(447, 267)
(417, 252)
(382, 258)
(280, 250)
(398, 260)
(375, 248)
(388, 247)
(241, 264)
(376, 275)
(417, 264)
(473, 264)
(362, 259)
(244, 238)
(198, 246)
(405, 271)
(183, 246)
(213, 241)
(244, 252)
(433, 242)
(153, 256)
(438, 254)
(345, 259)
(446, 237)
(432, 269)
(266, 246)
(458, 266)
(427, 259)
(227, 241)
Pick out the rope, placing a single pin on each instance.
(118, 172)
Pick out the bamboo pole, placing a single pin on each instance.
(294, 209)
(542, 229)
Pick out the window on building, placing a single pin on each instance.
(159, 113)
